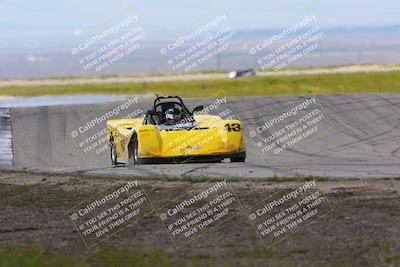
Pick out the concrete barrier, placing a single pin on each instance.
(6, 154)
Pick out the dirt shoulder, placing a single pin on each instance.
(362, 228)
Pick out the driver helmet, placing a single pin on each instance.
(173, 114)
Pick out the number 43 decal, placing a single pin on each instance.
(235, 127)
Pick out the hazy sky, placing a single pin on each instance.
(42, 20)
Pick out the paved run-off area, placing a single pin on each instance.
(359, 137)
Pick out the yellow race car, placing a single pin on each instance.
(169, 132)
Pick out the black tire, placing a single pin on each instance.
(136, 160)
(241, 157)
(134, 152)
(238, 159)
(114, 158)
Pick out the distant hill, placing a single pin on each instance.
(336, 31)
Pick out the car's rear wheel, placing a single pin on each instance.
(114, 158)
(241, 157)
(238, 159)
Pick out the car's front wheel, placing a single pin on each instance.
(136, 160)
(114, 158)
(134, 152)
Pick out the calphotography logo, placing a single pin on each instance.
(306, 40)
(277, 217)
(281, 132)
(110, 46)
(90, 135)
(197, 48)
(198, 212)
(109, 212)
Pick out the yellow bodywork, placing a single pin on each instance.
(215, 137)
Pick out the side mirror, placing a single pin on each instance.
(198, 108)
(151, 112)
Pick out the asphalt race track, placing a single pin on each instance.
(359, 136)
